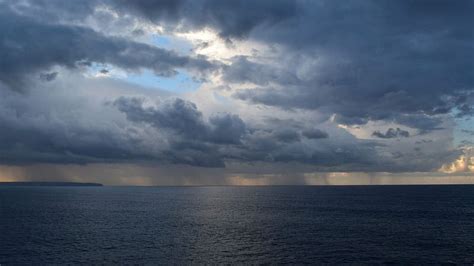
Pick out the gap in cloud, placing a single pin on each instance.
(180, 83)
(176, 44)
(100, 70)
(464, 131)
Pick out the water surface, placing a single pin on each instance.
(364, 224)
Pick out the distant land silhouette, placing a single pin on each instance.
(51, 184)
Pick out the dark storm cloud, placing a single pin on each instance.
(48, 76)
(193, 139)
(178, 115)
(54, 10)
(286, 135)
(392, 133)
(232, 19)
(209, 142)
(28, 45)
(66, 130)
(183, 118)
(315, 133)
(244, 70)
(368, 60)
(193, 153)
(327, 156)
(24, 141)
(227, 128)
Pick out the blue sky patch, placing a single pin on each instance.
(182, 82)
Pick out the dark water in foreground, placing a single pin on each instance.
(391, 224)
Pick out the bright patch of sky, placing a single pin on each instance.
(463, 131)
(177, 44)
(182, 82)
(179, 83)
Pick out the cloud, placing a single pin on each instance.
(117, 122)
(60, 127)
(383, 61)
(331, 65)
(242, 69)
(286, 135)
(227, 128)
(308, 73)
(28, 45)
(315, 133)
(463, 164)
(234, 19)
(48, 76)
(184, 119)
(392, 133)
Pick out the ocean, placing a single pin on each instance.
(224, 225)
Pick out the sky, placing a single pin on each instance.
(210, 92)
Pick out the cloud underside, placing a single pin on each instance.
(328, 68)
